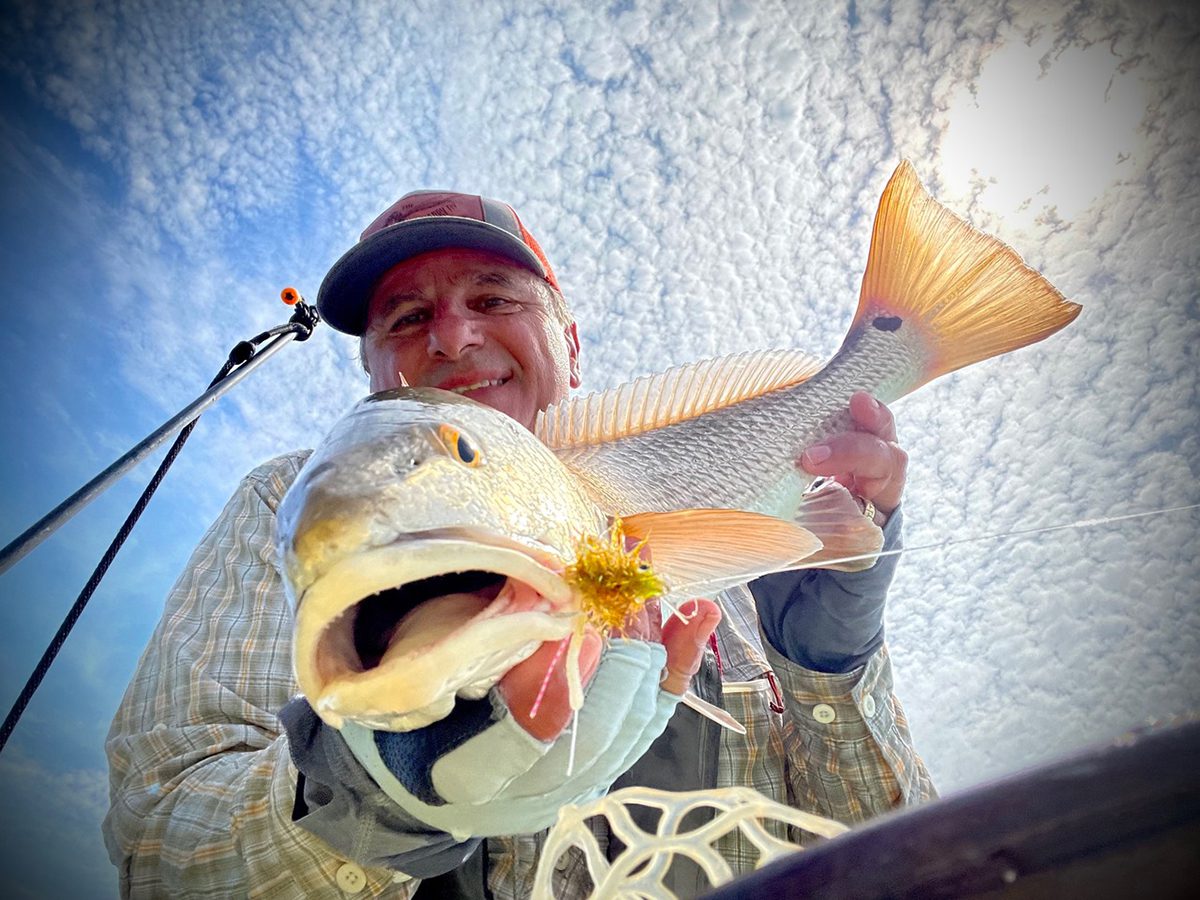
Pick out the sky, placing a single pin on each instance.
(703, 177)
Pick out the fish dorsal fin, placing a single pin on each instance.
(706, 550)
(675, 395)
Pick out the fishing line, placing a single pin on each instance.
(995, 535)
(537, 701)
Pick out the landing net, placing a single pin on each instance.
(638, 872)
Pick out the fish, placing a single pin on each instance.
(431, 543)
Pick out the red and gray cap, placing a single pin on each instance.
(418, 223)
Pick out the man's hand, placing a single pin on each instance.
(509, 773)
(866, 460)
(684, 642)
(831, 621)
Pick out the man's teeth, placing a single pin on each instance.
(491, 382)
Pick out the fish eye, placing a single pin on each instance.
(459, 446)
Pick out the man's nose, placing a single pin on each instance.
(451, 334)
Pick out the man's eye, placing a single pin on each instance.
(494, 303)
(408, 319)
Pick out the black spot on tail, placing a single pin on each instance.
(888, 323)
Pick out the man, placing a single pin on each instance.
(208, 797)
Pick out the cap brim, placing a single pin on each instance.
(346, 291)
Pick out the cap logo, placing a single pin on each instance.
(440, 205)
(430, 203)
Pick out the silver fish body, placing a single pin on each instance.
(936, 295)
(740, 456)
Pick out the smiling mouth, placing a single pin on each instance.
(487, 382)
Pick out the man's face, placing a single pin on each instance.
(475, 323)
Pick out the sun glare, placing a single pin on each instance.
(1043, 133)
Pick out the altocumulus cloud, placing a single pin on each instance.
(704, 182)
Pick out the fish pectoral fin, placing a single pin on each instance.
(709, 711)
(832, 514)
(704, 550)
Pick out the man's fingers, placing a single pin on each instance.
(856, 453)
(685, 642)
(521, 685)
(644, 625)
(868, 465)
(871, 416)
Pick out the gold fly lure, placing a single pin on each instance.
(613, 583)
(612, 580)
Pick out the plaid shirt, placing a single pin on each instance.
(202, 786)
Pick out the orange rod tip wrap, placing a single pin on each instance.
(290, 296)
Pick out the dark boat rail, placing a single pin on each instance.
(1119, 820)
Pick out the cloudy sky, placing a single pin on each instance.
(703, 176)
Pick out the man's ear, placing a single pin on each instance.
(572, 336)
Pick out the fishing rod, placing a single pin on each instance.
(243, 359)
(247, 355)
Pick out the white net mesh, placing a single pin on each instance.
(638, 872)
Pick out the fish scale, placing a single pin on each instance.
(743, 456)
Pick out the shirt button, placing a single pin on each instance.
(868, 706)
(824, 713)
(350, 878)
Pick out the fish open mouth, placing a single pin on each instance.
(390, 636)
(377, 618)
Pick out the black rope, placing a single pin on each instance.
(301, 323)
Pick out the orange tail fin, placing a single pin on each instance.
(970, 295)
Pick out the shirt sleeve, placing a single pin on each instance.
(826, 620)
(848, 746)
(849, 750)
(201, 786)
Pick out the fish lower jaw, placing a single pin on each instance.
(329, 628)
(331, 706)
(413, 689)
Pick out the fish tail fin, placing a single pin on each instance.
(970, 295)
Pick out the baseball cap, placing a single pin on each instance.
(418, 223)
